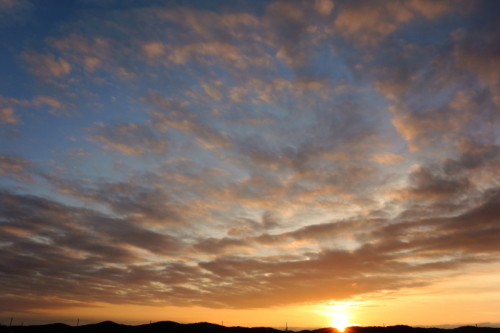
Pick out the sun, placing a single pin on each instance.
(339, 321)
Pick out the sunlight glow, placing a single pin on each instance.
(340, 321)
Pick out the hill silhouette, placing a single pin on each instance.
(173, 327)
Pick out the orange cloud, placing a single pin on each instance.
(47, 65)
(7, 115)
(388, 158)
(368, 23)
(323, 7)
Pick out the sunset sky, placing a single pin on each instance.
(252, 162)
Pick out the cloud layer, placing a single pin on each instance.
(258, 155)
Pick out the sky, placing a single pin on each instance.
(249, 162)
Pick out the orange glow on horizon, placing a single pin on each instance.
(340, 321)
(414, 308)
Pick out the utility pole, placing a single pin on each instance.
(11, 321)
(77, 322)
(286, 327)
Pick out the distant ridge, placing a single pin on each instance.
(204, 327)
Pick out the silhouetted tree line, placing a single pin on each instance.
(173, 327)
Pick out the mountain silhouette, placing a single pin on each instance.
(204, 327)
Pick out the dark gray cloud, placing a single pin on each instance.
(42, 240)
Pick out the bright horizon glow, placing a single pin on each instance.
(340, 320)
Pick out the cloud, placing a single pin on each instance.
(88, 232)
(369, 23)
(174, 114)
(293, 30)
(245, 227)
(153, 49)
(426, 128)
(91, 63)
(128, 138)
(14, 11)
(323, 7)
(21, 304)
(435, 118)
(55, 105)
(8, 116)
(157, 100)
(209, 39)
(426, 183)
(213, 245)
(385, 254)
(476, 51)
(315, 232)
(10, 106)
(212, 91)
(65, 243)
(453, 184)
(388, 158)
(209, 137)
(16, 168)
(141, 203)
(47, 65)
(128, 233)
(90, 53)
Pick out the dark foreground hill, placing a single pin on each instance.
(172, 327)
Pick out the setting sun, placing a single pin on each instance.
(339, 321)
